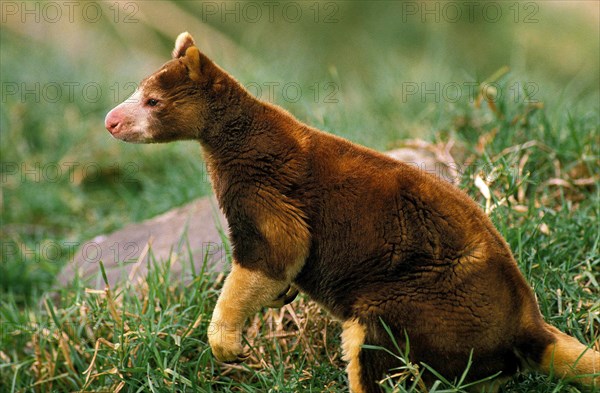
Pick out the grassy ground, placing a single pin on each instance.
(536, 150)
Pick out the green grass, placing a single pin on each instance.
(540, 160)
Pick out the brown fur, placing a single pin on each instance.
(369, 238)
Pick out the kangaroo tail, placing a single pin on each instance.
(568, 358)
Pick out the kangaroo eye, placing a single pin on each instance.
(152, 102)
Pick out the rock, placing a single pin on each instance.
(432, 158)
(190, 228)
(195, 228)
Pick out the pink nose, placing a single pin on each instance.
(112, 121)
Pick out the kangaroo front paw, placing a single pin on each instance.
(232, 354)
(285, 297)
(226, 344)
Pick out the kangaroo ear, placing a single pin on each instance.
(182, 43)
(191, 59)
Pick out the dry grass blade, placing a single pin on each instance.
(138, 263)
(112, 307)
(88, 371)
(62, 343)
